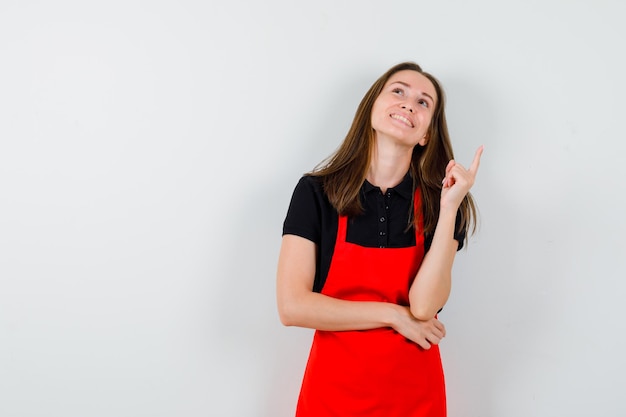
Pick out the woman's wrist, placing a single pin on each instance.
(448, 212)
(395, 315)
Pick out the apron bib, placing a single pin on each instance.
(378, 372)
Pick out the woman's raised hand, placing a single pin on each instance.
(458, 181)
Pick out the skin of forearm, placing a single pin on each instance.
(431, 287)
(318, 311)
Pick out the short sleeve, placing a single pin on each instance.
(304, 214)
(459, 233)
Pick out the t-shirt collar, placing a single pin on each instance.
(404, 189)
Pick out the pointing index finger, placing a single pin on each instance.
(476, 162)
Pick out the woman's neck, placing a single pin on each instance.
(390, 163)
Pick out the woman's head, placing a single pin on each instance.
(345, 171)
(362, 120)
(403, 110)
(352, 158)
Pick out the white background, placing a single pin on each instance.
(148, 151)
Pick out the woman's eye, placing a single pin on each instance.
(398, 91)
(423, 103)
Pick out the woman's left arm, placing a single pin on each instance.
(431, 287)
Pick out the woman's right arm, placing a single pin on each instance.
(299, 305)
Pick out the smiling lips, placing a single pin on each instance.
(402, 119)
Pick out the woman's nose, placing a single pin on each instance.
(407, 107)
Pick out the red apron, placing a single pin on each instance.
(374, 372)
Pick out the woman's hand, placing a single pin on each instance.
(422, 332)
(458, 181)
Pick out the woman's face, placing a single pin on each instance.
(404, 108)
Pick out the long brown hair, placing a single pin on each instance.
(344, 171)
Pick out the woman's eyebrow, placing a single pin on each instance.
(401, 82)
(409, 86)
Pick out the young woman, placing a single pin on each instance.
(367, 252)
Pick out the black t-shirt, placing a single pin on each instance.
(383, 224)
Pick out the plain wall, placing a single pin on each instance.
(148, 152)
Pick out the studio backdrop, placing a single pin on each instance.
(148, 152)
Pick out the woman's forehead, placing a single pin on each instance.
(413, 79)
